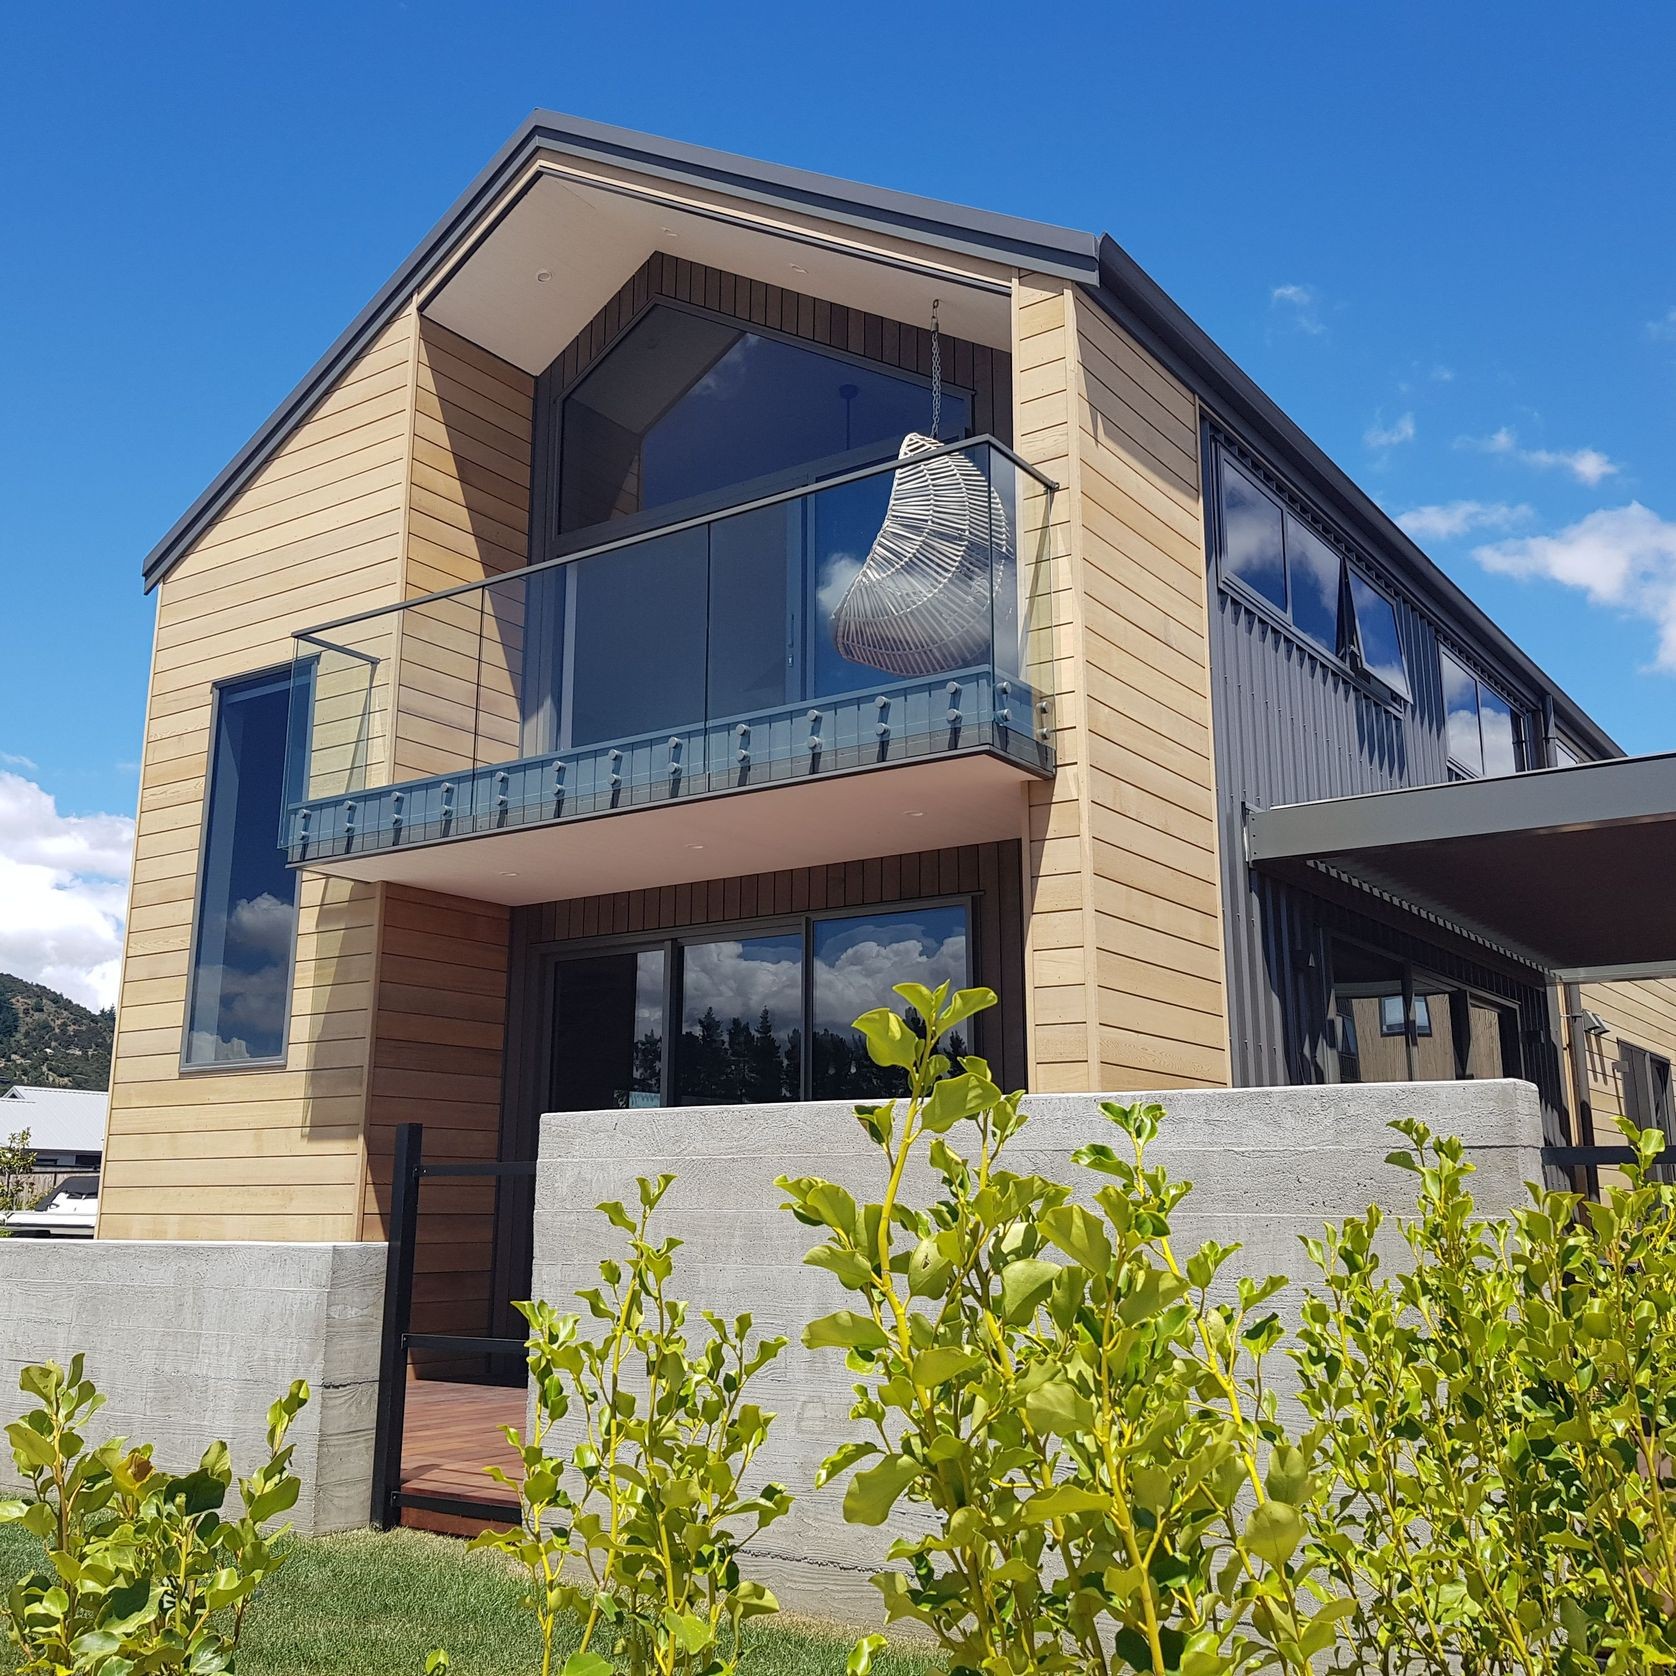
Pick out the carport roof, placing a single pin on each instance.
(1573, 869)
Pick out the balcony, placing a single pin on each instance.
(676, 668)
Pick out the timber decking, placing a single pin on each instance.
(452, 1432)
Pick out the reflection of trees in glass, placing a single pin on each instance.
(647, 1074)
(737, 1063)
(843, 1069)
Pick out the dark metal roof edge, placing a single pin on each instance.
(1615, 791)
(1142, 306)
(1037, 245)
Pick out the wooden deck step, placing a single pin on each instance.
(452, 1432)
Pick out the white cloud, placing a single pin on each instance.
(1301, 304)
(1663, 330)
(1458, 517)
(12, 760)
(1587, 465)
(63, 893)
(1441, 374)
(1623, 557)
(1390, 436)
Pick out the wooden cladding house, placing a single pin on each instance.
(503, 756)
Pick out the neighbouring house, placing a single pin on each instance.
(66, 1126)
(694, 594)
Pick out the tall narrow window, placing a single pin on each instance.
(247, 895)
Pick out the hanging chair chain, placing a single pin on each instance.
(936, 375)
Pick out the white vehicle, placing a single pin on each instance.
(67, 1212)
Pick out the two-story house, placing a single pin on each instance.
(695, 594)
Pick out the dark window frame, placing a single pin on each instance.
(1417, 973)
(295, 752)
(1345, 658)
(672, 941)
(1523, 732)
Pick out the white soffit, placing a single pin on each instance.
(878, 811)
(589, 240)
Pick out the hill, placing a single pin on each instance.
(50, 1041)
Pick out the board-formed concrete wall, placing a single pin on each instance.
(191, 1341)
(1268, 1165)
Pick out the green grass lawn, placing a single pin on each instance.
(368, 1603)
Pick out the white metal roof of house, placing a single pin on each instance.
(58, 1119)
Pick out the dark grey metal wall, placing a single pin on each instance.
(1291, 726)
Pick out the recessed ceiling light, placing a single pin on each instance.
(913, 814)
(542, 275)
(796, 269)
(695, 846)
(669, 232)
(509, 875)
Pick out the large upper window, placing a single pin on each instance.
(1271, 551)
(247, 895)
(689, 408)
(1478, 722)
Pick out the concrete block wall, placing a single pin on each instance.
(1268, 1165)
(192, 1340)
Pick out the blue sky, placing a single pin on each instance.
(1440, 235)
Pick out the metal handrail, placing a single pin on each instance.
(779, 498)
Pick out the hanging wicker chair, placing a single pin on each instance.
(921, 602)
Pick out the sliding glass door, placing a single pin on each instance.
(723, 1018)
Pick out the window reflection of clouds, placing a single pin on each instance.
(856, 961)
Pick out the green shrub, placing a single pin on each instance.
(1499, 1422)
(146, 1572)
(1087, 1431)
(648, 1509)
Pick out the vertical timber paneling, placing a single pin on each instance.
(274, 1152)
(437, 1045)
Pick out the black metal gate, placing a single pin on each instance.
(410, 1172)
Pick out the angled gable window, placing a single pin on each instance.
(1272, 552)
(689, 409)
(247, 895)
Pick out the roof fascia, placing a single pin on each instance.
(1141, 306)
(954, 228)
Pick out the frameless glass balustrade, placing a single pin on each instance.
(766, 643)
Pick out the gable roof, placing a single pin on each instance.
(1095, 261)
(58, 1119)
(952, 227)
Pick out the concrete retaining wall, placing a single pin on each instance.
(1268, 1165)
(192, 1340)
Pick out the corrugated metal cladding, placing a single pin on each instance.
(1293, 726)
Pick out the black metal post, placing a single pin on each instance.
(398, 1314)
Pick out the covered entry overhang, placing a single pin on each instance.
(1571, 869)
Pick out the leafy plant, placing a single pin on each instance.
(1500, 1417)
(146, 1573)
(1106, 1482)
(17, 1170)
(637, 1531)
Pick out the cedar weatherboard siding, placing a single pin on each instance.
(1125, 937)
(275, 1152)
